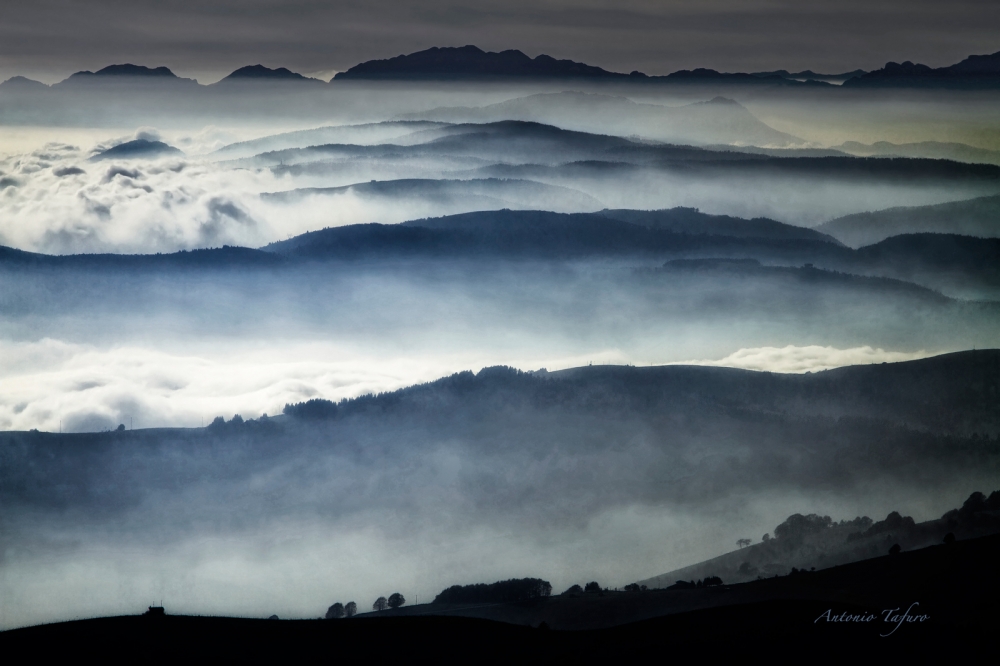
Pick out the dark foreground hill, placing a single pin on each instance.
(913, 604)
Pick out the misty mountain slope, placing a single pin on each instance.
(808, 542)
(718, 120)
(628, 174)
(457, 195)
(693, 221)
(500, 141)
(349, 170)
(550, 235)
(528, 456)
(973, 217)
(514, 141)
(959, 265)
(437, 296)
(370, 133)
(224, 257)
(801, 191)
(962, 267)
(958, 152)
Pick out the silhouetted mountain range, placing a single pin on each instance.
(472, 63)
(977, 71)
(124, 75)
(809, 75)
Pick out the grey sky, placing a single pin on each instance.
(206, 39)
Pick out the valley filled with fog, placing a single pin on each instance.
(315, 257)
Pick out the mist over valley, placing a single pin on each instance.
(464, 315)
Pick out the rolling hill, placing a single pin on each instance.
(972, 217)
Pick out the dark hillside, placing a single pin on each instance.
(946, 591)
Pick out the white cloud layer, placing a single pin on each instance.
(51, 384)
(810, 358)
(55, 200)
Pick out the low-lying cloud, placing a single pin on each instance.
(809, 358)
(52, 384)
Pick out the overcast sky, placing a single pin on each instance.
(206, 39)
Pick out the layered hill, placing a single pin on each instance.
(718, 120)
(937, 150)
(973, 217)
(471, 194)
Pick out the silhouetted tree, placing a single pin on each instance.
(121, 427)
(380, 604)
(396, 600)
(895, 549)
(797, 526)
(516, 589)
(351, 609)
(711, 580)
(766, 537)
(949, 537)
(335, 611)
(574, 589)
(743, 542)
(592, 586)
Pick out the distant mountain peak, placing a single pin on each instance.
(978, 64)
(261, 72)
(723, 101)
(129, 69)
(137, 149)
(977, 71)
(471, 61)
(24, 83)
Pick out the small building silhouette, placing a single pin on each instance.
(155, 611)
